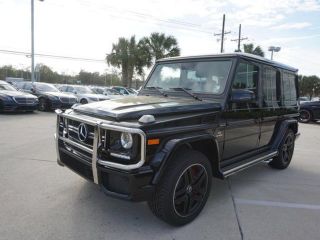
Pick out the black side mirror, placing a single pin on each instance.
(32, 90)
(242, 96)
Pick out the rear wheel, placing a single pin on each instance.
(43, 104)
(305, 116)
(183, 189)
(285, 152)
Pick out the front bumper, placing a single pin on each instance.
(131, 182)
(19, 107)
(128, 185)
(60, 105)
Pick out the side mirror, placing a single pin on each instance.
(32, 90)
(242, 96)
(74, 91)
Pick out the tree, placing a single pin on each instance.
(249, 48)
(159, 46)
(309, 85)
(124, 55)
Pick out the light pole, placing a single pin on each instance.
(274, 49)
(32, 39)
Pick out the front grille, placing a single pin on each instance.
(24, 100)
(67, 100)
(73, 133)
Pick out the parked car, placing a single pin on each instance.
(309, 111)
(124, 91)
(13, 100)
(84, 94)
(111, 93)
(196, 118)
(49, 96)
(304, 99)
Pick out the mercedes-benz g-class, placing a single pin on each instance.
(195, 118)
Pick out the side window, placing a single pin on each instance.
(289, 92)
(247, 76)
(269, 87)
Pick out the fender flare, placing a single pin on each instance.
(281, 130)
(163, 157)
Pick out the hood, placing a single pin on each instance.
(60, 94)
(134, 107)
(16, 94)
(96, 96)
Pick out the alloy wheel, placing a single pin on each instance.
(190, 190)
(287, 148)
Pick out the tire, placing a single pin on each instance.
(285, 152)
(305, 116)
(83, 101)
(43, 104)
(184, 188)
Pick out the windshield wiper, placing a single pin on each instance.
(158, 89)
(186, 90)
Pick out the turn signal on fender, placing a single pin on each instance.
(154, 141)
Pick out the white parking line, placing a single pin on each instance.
(276, 204)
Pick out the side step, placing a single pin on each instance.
(239, 166)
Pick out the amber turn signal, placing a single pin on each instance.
(154, 141)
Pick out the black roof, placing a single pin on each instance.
(232, 55)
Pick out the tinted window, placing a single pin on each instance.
(289, 96)
(269, 86)
(247, 76)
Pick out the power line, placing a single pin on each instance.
(28, 54)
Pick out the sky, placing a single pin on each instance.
(87, 29)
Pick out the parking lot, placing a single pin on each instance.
(40, 200)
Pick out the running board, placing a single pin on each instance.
(244, 164)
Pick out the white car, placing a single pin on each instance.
(107, 91)
(83, 93)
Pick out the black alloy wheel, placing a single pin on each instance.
(305, 116)
(43, 104)
(285, 152)
(183, 189)
(190, 190)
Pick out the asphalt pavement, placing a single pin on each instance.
(41, 200)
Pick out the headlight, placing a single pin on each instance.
(126, 140)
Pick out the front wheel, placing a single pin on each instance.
(285, 152)
(43, 104)
(183, 189)
(84, 101)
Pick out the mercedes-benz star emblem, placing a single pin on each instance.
(82, 132)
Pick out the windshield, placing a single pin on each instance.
(82, 90)
(7, 87)
(44, 87)
(202, 77)
(112, 92)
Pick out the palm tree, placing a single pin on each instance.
(249, 48)
(124, 55)
(159, 46)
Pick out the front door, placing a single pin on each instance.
(242, 119)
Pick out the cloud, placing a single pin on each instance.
(287, 26)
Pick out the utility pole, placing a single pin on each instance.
(32, 40)
(240, 39)
(222, 33)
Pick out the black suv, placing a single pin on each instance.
(194, 119)
(49, 96)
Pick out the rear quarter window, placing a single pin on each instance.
(289, 91)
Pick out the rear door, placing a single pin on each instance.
(270, 111)
(243, 119)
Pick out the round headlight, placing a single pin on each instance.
(126, 140)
